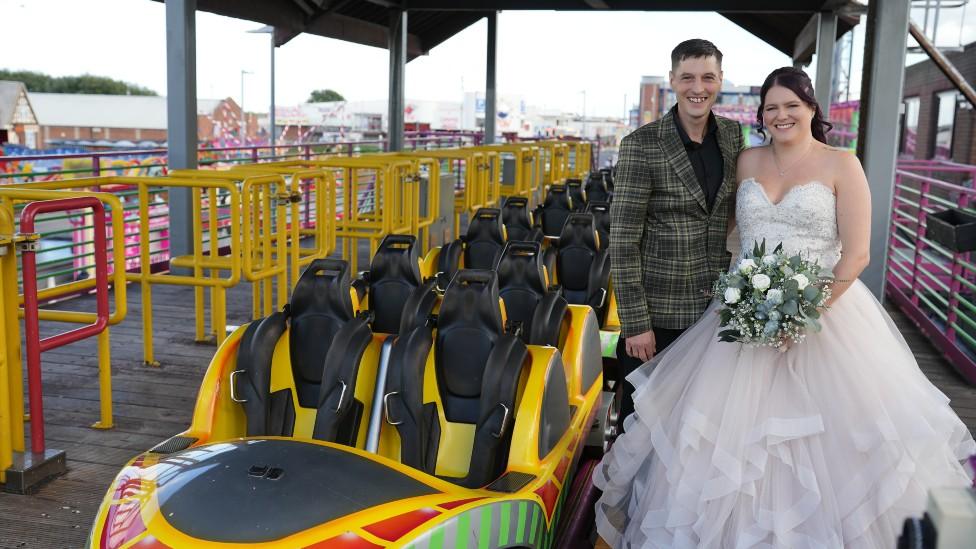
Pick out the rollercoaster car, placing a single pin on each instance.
(309, 432)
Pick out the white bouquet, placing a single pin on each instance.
(771, 299)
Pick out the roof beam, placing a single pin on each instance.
(768, 6)
(806, 42)
(350, 29)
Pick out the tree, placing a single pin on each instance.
(86, 83)
(324, 96)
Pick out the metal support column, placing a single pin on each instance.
(271, 111)
(398, 65)
(181, 115)
(491, 108)
(826, 40)
(881, 96)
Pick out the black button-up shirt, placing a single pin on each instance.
(705, 158)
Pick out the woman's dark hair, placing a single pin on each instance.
(799, 83)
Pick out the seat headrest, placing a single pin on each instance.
(323, 288)
(486, 225)
(579, 230)
(396, 258)
(522, 265)
(472, 298)
(596, 180)
(558, 195)
(515, 212)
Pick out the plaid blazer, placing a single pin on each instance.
(666, 248)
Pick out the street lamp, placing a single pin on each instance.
(583, 132)
(271, 112)
(243, 114)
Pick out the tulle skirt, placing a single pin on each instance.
(831, 444)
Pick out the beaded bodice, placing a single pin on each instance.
(804, 220)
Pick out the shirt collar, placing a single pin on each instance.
(711, 128)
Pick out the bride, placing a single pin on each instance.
(830, 444)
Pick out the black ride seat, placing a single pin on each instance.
(524, 287)
(552, 213)
(518, 220)
(477, 367)
(601, 219)
(326, 343)
(597, 188)
(480, 247)
(577, 194)
(608, 178)
(583, 264)
(393, 275)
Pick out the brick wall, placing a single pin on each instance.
(924, 80)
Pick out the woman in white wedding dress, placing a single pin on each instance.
(830, 444)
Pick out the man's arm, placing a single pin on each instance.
(628, 211)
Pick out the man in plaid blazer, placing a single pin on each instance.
(674, 194)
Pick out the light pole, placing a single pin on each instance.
(583, 132)
(243, 114)
(271, 112)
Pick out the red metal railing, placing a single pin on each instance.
(36, 345)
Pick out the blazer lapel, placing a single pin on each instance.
(674, 149)
(726, 144)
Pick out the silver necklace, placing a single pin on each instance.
(782, 171)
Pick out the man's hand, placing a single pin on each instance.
(641, 346)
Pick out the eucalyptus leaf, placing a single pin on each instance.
(790, 307)
(811, 293)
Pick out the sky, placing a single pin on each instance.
(549, 58)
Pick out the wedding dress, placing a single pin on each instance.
(831, 444)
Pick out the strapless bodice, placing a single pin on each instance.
(804, 220)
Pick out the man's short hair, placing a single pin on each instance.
(693, 49)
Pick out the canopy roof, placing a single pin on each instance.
(779, 23)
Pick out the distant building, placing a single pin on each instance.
(937, 121)
(656, 98)
(18, 122)
(95, 120)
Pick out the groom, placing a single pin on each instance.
(674, 194)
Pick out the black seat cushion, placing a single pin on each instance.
(521, 281)
(320, 305)
(515, 216)
(484, 240)
(576, 193)
(596, 188)
(468, 325)
(555, 210)
(393, 275)
(578, 248)
(601, 220)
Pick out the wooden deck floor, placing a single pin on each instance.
(152, 404)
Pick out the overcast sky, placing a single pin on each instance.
(550, 58)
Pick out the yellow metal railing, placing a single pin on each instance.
(376, 194)
(11, 302)
(528, 172)
(145, 277)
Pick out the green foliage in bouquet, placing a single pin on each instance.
(771, 298)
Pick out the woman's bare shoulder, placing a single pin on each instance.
(749, 161)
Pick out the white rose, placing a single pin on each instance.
(775, 296)
(769, 260)
(801, 280)
(732, 295)
(747, 265)
(761, 282)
